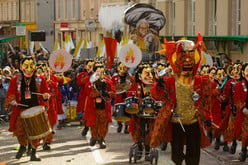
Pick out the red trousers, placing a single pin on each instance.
(100, 129)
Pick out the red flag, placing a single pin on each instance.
(110, 45)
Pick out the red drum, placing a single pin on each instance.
(36, 123)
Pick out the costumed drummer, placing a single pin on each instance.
(122, 77)
(20, 93)
(188, 104)
(141, 126)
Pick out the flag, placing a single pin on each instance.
(11, 48)
(100, 49)
(111, 45)
(31, 47)
(56, 45)
(42, 47)
(79, 46)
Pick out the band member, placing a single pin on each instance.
(20, 92)
(187, 108)
(122, 77)
(241, 102)
(228, 123)
(44, 70)
(141, 127)
(97, 111)
(82, 79)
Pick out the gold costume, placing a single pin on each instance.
(184, 104)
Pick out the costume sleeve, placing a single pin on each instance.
(11, 93)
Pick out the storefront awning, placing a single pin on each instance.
(8, 38)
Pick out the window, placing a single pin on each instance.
(214, 27)
(238, 19)
(66, 9)
(74, 9)
(173, 16)
(193, 17)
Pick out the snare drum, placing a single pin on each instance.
(148, 105)
(158, 105)
(36, 123)
(120, 114)
(132, 105)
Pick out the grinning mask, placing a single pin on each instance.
(28, 66)
(184, 58)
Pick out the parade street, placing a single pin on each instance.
(70, 148)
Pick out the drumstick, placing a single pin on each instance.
(215, 125)
(24, 105)
(41, 94)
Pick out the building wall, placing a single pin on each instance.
(45, 21)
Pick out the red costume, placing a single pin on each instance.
(98, 118)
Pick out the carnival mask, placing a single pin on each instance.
(28, 67)
(89, 66)
(122, 69)
(205, 70)
(212, 74)
(146, 76)
(245, 73)
(220, 75)
(235, 71)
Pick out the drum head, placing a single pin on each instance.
(32, 111)
(122, 119)
(148, 110)
(132, 111)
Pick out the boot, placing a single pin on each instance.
(217, 144)
(147, 153)
(85, 131)
(20, 152)
(92, 141)
(225, 148)
(233, 147)
(163, 146)
(102, 144)
(29, 150)
(242, 155)
(46, 147)
(119, 127)
(33, 156)
(126, 129)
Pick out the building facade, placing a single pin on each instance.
(9, 17)
(224, 20)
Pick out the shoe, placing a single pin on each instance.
(92, 141)
(242, 155)
(225, 148)
(163, 146)
(20, 152)
(102, 144)
(233, 147)
(85, 131)
(33, 156)
(53, 132)
(126, 129)
(119, 128)
(46, 147)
